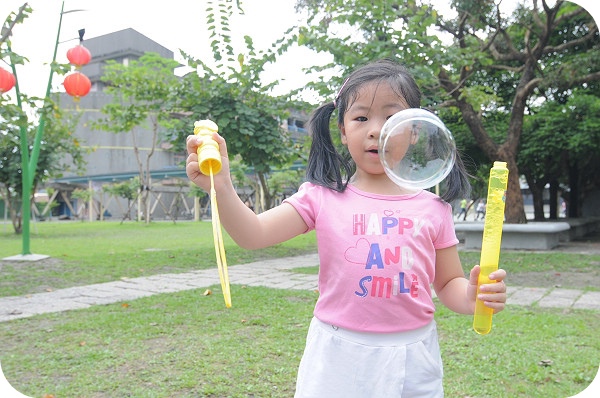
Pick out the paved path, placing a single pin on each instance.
(276, 273)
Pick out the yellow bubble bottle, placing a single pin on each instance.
(208, 153)
(490, 245)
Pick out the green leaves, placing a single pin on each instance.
(146, 87)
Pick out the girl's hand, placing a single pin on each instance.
(492, 294)
(191, 165)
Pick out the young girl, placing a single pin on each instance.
(381, 248)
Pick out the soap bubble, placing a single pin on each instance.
(416, 149)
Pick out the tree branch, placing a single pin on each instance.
(516, 69)
(7, 31)
(592, 77)
(547, 29)
(499, 28)
(573, 43)
(526, 90)
(569, 15)
(511, 55)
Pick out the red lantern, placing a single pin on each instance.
(77, 85)
(7, 81)
(79, 56)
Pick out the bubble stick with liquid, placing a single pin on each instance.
(208, 153)
(492, 238)
(209, 162)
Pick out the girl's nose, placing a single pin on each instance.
(374, 132)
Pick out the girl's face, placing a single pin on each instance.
(363, 120)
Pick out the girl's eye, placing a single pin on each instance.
(361, 119)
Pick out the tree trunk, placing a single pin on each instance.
(514, 207)
(537, 193)
(553, 200)
(17, 222)
(573, 203)
(268, 198)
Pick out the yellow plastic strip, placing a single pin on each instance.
(218, 239)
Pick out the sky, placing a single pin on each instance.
(174, 24)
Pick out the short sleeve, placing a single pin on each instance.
(307, 202)
(447, 234)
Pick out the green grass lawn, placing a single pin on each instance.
(189, 345)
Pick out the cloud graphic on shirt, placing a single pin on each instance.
(359, 252)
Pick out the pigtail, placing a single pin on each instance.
(457, 182)
(326, 167)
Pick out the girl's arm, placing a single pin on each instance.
(457, 292)
(247, 229)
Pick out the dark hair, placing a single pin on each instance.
(329, 168)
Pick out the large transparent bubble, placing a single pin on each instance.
(416, 149)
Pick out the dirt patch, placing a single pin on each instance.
(49, 263)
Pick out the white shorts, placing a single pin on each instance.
(343, 363)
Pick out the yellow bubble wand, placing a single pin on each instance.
(209, 162)
(490, 245)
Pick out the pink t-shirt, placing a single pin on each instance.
(377, 255)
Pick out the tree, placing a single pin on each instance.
(478, 61)
(126, 189)
(57, 147)
(560, 149)
(142, 98)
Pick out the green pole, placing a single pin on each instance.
(29, 165)
(35, 153)
(25, 187)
